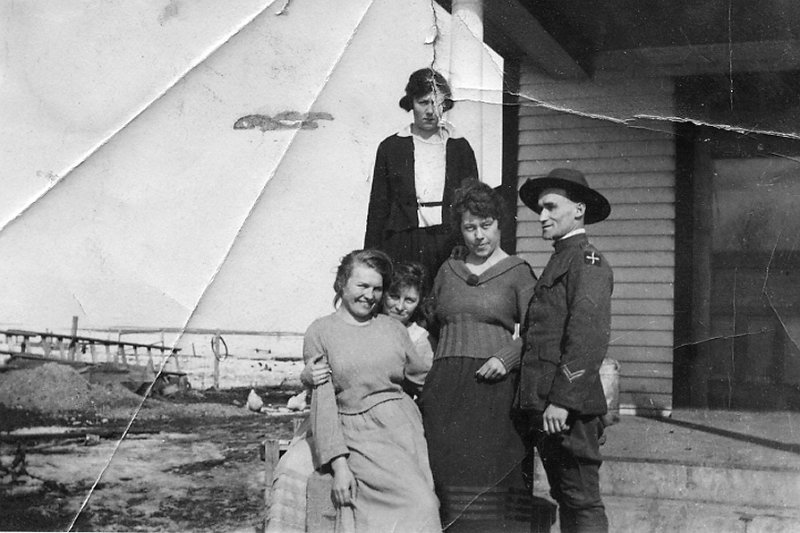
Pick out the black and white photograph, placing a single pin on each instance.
(372, 266)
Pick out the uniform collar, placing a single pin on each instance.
(573, 239)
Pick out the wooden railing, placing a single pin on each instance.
(65, 348)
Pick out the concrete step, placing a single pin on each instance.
(700, 470)
(768, 488)
(723, 485)
(662, 515)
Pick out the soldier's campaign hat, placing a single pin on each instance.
(574, 183)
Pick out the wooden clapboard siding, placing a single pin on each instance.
(642, 385)
(621, 181)
(645, 370)
(639, 354)
(638, 195)
(637, 402)
(646, 307)
(616, 259)
(642, 322)
(637, 211)
(644, 274)
(529, 166)
(611, 87)
(584, 125)
(631, 227)
(561, 121)
(643, 291)
(640, 337)
(612, 244)
(604, 150)
(586, 134)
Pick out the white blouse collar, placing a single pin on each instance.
(447, 130)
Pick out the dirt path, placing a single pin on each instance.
(186, 466)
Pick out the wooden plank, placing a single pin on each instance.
(530, 165)
(642, 211)
(587, 135)
(644, 275)
(644, 291)
(612, 244)
(616, 259)
(641, 354)
(617, 111)
(271, 457)
(643, 307)
(551, 119)
(645, 400)
(545, 120)
(613, 99)
(629, 243)
(533, 81)
(532, 228)
(644, 385)
(534, 108)
(639, 322)
(638, 179)
(600, 148)
(619, 212)
(638, 195)
(645, 370)
(641, 338)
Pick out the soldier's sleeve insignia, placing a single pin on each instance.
(572, 376)
(591, 258)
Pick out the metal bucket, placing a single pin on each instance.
(609, 377)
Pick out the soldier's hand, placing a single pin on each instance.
(491, 370)
(554, 419)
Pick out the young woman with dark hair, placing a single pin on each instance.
(416, 172)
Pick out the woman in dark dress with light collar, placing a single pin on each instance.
(474, 448)
(416, 172)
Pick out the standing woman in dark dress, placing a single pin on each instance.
(474, 448)
(416, 172)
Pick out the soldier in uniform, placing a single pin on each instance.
(566, 335)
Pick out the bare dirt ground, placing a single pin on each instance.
(188, 463)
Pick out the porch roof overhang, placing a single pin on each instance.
(576, 38)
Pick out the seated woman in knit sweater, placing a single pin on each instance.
(402, 302)
(468, 394)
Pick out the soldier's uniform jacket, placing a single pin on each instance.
(567, 331)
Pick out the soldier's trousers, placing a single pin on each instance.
(572, 462)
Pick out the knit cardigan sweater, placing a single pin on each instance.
(393, 198)
(476, 314)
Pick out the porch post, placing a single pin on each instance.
(466, 73)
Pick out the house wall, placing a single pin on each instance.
(605, 128)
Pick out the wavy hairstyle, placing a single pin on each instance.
(424, 81)
(374, 259)
(479, 199)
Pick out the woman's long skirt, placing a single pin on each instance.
(475, 446)
(389, 459)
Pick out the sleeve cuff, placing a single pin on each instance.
(510, 354)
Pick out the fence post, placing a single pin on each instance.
(73, 342)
